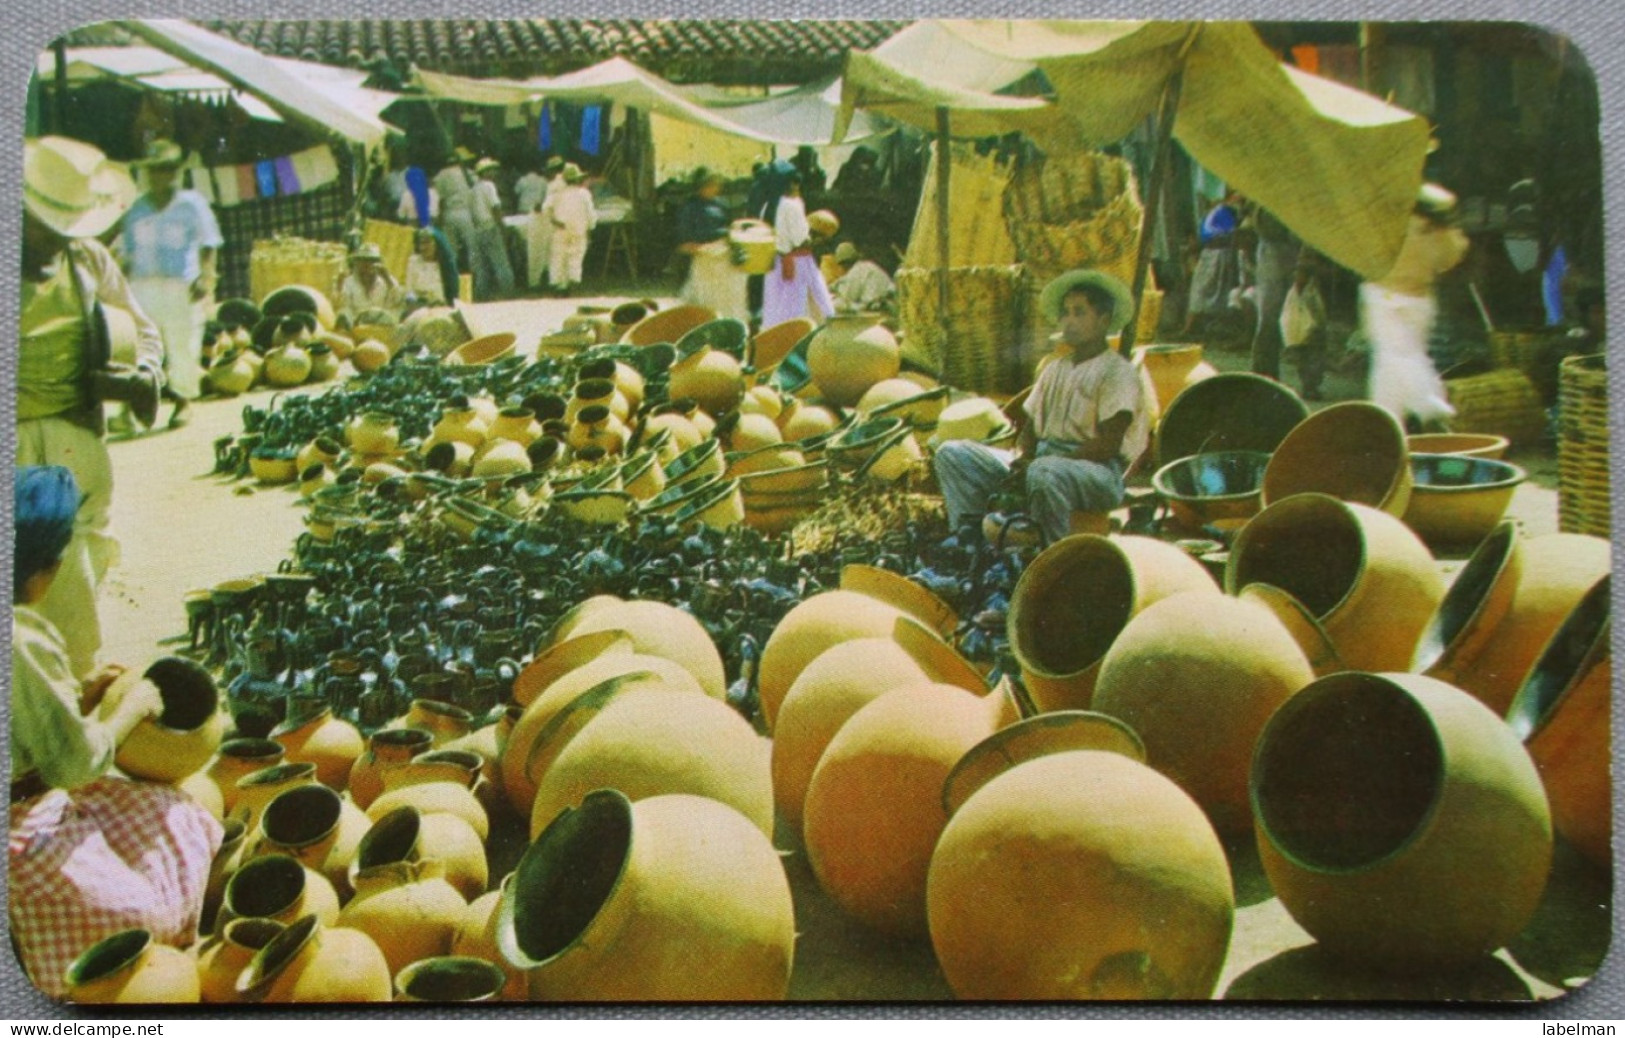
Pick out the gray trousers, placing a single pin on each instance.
(970, 473)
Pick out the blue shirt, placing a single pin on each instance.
(165, 243)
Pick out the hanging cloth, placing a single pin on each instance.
(417, 182)
(544, 129)
(287, 181)
(265, 178)
(592, 129)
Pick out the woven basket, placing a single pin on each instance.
(1533, 351)
(985, 325)
(1582, 447)
(1503, 402)
(396, 241)
(273, 263)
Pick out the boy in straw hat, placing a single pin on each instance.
(71, 194)
(1086, 418)
(170, 242)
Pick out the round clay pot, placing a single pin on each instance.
(1400, 822)
(238, 758)
(632, 928)
(1562, 714)
(1457, 501)
(752, 432)
(596, 392)
(1080, 875)
(325, 362)
(517, 424)
(370, 355)
(848, 355)
(1062, 731)
(449, 979)
(222, 958)
(130, 968)
(1354, 451)
(443, 721)
(322, 450)
(598, 426)
(656, 629)
(258, 788)
(477, 938)
(374, 432)
(642, 475)
(1168, 366)
(499, 459)
(885, 393)
(430, 797)
(1363, 574)
(1299, 622)
(668, 325)
(684, 436)
(183, 738)
(287, 366)
(801, 422)
(1076, 597)
(460, 425)
(1196, 676)
(308, 962)
(278, 887)
(407, 908)
(763, 400)
(649, 741)
(712, 378)
(313, 735)
(301, 823)
(388, 748)
(407, 835)
(874, 808)
(234, 372)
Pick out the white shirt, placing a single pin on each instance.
(48, 734)
(790, 229)
(572, 210)
(864, 287)
(356, 299)
(488, 191)
(423, 280)
(408, 209)
(530, 191)
(1071, 398)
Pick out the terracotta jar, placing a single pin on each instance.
(1196, 676)
(630, 931)
(683, 435)
(222, 959)
(234, 372)
(131, 968)
(1354, 451)
(308, 962)
(460, 425)
(1170, 368)
(407, 908)
(656, 629)
(596, 392)
(287, 366)
(753, 431)
(849, 354)
(322, 450)
(226, 861)
(1401, 823)
(302, 823)
(598, 426)
(278, 887)
(517, 424)
(408, 835)
(443, 721)
(712, 378)
(183, 738)
(450, 979)
(499, 459)
(430, 793)
(324, 362)
(374, 432)
(1300, 623)
(477, 938)
(1042, 735)
(257, 789)
(1080, 875)
(388, 748)
(311, 734)
(1076, 597)
(800, 421)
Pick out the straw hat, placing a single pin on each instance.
(162, 154)
(573, 174)
(974, 418)
(554, 164)
(824, 223)
(1049, 301)
(366, 252)
(486, 164)
(72, 188)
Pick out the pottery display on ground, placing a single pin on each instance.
(179, 741)
(131, 968)
(311, 962)
(850, 354)
(1354, 451)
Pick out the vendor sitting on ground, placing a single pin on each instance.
(863, 285)
(424, 284)
(1086, 418)
(369, 290)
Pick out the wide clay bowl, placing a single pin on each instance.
(1473, 445)
(1233, 411)
(1457, 500)
(1223, 489)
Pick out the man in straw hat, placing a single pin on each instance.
(573, 217)
(369, 291)
(532, 192)
(1399, 309)
(71, 194)
(1086, 417)
(473, 227)
(170, 243)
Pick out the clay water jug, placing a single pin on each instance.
(460, 424)
(311, 962)
(477, 938)
(712, 378)
(448, 979)
(257, 789)
(131, 968)
(287, 366)
(238, 758)
(849, 354)
(278, 887)
(388, 748)
(179, 741)
(373, 432)
(407, 908)
(517, 424)
(222, 958)
(311, 734)
(408, 835)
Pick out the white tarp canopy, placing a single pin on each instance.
(1337, 166)
(151, 69)
(802, 116)
(328, 100)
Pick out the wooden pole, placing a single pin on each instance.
(59, 102)
(1161, 159)
(944, 159)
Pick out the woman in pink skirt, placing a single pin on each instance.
(794, 287)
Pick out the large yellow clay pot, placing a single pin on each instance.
(476, 937)
(1365, 576)
(801, 421)
(753, 432)
(313, 735)
(1563, 715)
(684, 436)
(1080, 875)
(388, 748)
(301, 823)
(1354, 451)
(1492, 655)
(840, 682)
(182, 739)
(1061, 731)
(450, 979)
(445, 722)
(1196, 676)
(849, 355)
(874, 806)
(310, 962)
(258, 788)
(1076, 597)
(408, 835)
(131, 968)
(222, 958)
(374, 432)
(673, 898)
(278, 887)
(656, 629)
(1300, 623)
(460, 425)
(451, 798)
(1168, 367)
(407, 908)
(649, 742)
(711, 378)
(564, 655)
(1400, 822)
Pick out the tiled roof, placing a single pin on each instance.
(681, 50)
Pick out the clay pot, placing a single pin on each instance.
(1299, 622)
(370, 355)
(1400, 822)
(1562, 713)
(894, 457)
(1196, 676)
(710, 377)
(131, 968)
(443, 721)
(656, 629)
(596, 392)
(278, 887)
(1489, 651)
(183, 738)
(1080, 875)
(258, 788)
(407, 908)
(1354, 451)
(287, 366)
(1456, 500)
(567, 653)
(449, 979)
(1365, 576)
(325, 363)
(314, 479)
(222, 958)
(234, 372)
(322, 450)
(388, 748)
(800, 422)
(430, 796)
(460, 425)
(407, 835)
(674, 898)
(313, 735)
(840, 682)
(684, 436)
(1063, 731)
(643, 477)
(302, 823)
(874, 809)
(598, 426)
(765, 459)
(720, 506)
(487, 349)
(374, 432)
(885, 393)
(1171, 368)
(849, 354)
(647, 741)
(772, 344)
(499, 459)
(1233, 411)
(272, 467)
(668, 325)
(752, 432)
(476, 938)
(762, 400)
(516, 424)
(309, 962)
(238, 758)
(1222, 490)
(696, 465)
(1471, 445)
(1076, 597)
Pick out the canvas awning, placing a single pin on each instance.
(803, 116)
(1337, 166)
(330, 101)
(150, 69)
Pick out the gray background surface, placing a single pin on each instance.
(1597, 27)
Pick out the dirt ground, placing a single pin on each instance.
(183, 528)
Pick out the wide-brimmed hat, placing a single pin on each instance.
(162, 154)
(462, 154)
(824, 223)
(485, 164)
(1049, 301)
(573, 173)
(73, 188)
(369, 251)
(846, 254)
(554, 164)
